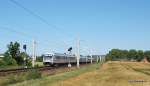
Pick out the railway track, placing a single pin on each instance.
(7, 72)
(19, 70)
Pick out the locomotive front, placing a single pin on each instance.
(48, 59)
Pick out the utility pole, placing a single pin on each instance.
(33, 55)
(97, 58)
(100, 58)
(91, 57)
(78, 53)
(86, 59)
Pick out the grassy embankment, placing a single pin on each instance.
(113, 74)
(110, 74)
(17, 66)
(49, 80)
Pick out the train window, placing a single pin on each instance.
(71, 58)
(47, 57)
(64, 57)
(58, 57)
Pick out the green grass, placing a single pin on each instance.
(48, 81)
(112, 74)
(39, 64)
(15, 67)
(10, 67)
(12, 79)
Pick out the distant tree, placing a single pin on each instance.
(132, 54)
(140, 55)
(39, 58)
(117, 54)
(147, 55)
(13, 56)
(27, 59)
(8, 60)
(124, 54)
(2, 63)
(13, 49)
(13, 53)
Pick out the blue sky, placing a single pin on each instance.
(100, 24)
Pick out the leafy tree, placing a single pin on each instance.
(14, 51)
(2, 63)
(140, 55)
(147, 55)
(39, 58)
(13, 54)
(124, 54)
(8, 60)
(27, 59)
(117, 54)
(132, 54)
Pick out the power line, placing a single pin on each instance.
(38, 16)
(27, 36)
(17, 32)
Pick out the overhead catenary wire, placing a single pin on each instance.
(28, 36)
(31, 37)
(17, 32)
(40, 18)
(37, 16)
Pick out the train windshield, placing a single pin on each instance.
(47, 56)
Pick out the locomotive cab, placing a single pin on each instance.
(47, 59)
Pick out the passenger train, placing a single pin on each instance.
(55, 59)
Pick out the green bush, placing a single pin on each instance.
(29, 63)
(33, 74)
(12, 79)
(39, 59)
(9, 61)
(37, 65)
(2, 63)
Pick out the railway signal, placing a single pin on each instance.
(25, 58)
(25, 47)
(70, 49)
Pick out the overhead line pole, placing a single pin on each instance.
(78, 53)
(91, 56)
(33, 55)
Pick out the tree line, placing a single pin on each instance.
(128, 55)
(13, 56)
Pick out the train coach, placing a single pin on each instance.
(56, 59)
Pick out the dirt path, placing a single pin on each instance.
(113, 74)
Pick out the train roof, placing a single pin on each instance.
(64, 54)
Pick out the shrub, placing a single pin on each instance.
(9, 61)
(12, 79)
(29, 63)
(37, 65)
(2, 63)
(33, 74)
